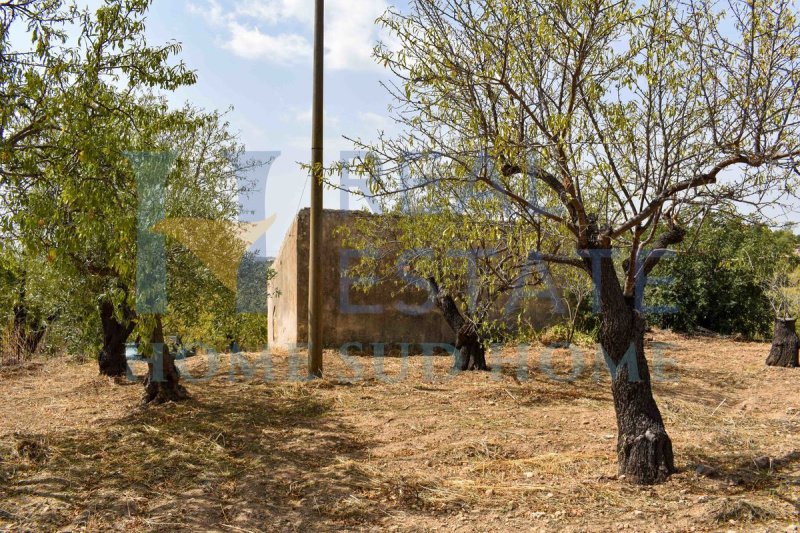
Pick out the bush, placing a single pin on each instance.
(718, 281)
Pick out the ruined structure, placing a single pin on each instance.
(350, 315)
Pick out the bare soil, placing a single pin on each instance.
(527, 447)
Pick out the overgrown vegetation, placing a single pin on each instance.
(81, 108)
(720, 281)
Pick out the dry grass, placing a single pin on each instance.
(365, 450)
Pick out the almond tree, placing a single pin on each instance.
(627, 119)
(75, 107)
(474, 267)
(72, 101)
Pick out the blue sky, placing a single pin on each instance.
(255, 55)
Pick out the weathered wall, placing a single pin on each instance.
(288, 312)
(342, 323)
(282, 304)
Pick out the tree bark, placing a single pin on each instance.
(471, 353)
(20, 327)
(27, 333)
(26, 336)
(785, 344)
(644, 450)
(111, 359)
(162, 383)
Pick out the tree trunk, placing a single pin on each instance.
(162, 383)
(644, 450)
(785, 344)
(471, 353)
(34, 337)
(115, 333)
(111, 359)
(26, 333)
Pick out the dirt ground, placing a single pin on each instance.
(527, 447)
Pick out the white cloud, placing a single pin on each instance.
(251, 43)
(279, 31)
(374, 120)
(276, 11)
(351, 33)
(211, 12)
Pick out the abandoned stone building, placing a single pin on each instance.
(350, 315)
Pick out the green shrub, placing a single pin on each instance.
(718, 280)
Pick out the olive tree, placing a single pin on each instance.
(610, 122)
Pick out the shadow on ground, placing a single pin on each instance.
(253, 457)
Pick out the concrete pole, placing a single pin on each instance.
(315, 238)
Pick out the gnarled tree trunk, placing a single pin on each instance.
(111, 359)
(26, 336)
(471, 354)
(644, 450)
(162, 383)
(785, 344)
(27, 332)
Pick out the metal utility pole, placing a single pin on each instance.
(315, 233)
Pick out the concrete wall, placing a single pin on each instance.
(282, 305)
(345, 314)
(288, 311)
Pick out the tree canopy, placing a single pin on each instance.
(608, 126)
(79, 106)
